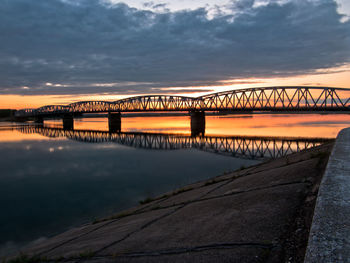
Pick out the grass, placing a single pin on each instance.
(22, 258)
(86, 254)
(164, 196)
(210, 182)
(322, 158)
(320, 155)
(155, 207)
(179, 191)
(119, 254)
(60, 259)
(146, 201)
(117, 216)
(182, 190)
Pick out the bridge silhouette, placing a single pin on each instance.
(268, 99)
(247, 147)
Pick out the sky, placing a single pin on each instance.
(60, 51)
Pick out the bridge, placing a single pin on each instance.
(268, 99)
(247, 147)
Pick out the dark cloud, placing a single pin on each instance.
(78, 43)
(157, 6)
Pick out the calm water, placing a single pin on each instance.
(49, 184)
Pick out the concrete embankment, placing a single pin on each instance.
(259, 214)
(329, 239)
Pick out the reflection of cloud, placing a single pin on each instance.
(237, 82)
(235, 117)
(312, 84)
(95, 42)
(178, 90)
(107, 146)
(303, 123)
(145, 129)
(323, 123)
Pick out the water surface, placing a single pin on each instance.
(49, 184)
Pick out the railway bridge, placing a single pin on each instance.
(266, 99)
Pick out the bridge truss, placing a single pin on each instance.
(253, 99)
(237, 146)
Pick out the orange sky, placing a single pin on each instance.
(335, 77)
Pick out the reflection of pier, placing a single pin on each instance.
(238, 146)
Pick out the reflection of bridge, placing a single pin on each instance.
(237, 146)
(254, 99)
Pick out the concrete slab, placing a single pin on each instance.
(294, 157)
(296, 172)
(51, 243)
(107, 235)
(237, 254)
(189, 196)
(259, 217)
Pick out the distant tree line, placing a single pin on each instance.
(5, 113)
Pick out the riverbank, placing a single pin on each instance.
(259, 214)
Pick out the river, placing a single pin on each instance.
(50, 183)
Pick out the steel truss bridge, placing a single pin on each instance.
(237, 146)
(252, 99)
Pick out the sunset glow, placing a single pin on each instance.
(339, 79)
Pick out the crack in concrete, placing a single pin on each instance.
(137, 230)
(181, 250)
(75, 237)
(174, 251)
(234, 193)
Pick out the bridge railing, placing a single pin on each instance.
(279, 98)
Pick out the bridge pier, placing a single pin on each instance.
(39, 120)
(197, 123)
(114, 122)
(68, 122)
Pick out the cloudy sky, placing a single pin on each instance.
(65, 50)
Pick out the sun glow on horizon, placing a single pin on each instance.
(333, 77)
